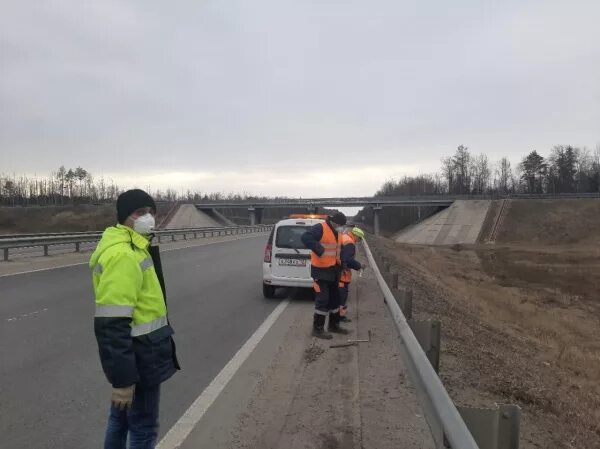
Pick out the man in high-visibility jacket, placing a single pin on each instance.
(349, 263)
(324, 240)
(134, 336)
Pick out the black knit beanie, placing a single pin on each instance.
(339, 218)
(132, 200)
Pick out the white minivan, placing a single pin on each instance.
(287, 260)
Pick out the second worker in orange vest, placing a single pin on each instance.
(349, 263)
(324, 240)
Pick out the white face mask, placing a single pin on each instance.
(144, 224)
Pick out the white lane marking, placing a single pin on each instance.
(182, 428)
(26, 315)
(162, 251)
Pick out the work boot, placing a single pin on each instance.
(319, 327)
(334, 324)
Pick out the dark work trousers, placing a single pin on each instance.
(327, 298)
(343, 292)
(140, 422)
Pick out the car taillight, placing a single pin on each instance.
(268, 250)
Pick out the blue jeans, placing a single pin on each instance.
(141, 421)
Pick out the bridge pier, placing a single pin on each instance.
(376, 212)
(255, 215)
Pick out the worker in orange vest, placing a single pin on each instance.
(324, 240)
(349, 263)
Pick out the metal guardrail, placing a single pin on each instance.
(456, 427)
(91, 233)
(47, 240)
(444, 420)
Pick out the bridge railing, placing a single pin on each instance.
(451, 426)
(404, 200)
(45, 241)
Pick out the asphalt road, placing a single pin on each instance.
(53, 393)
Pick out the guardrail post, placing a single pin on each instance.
(184, 236)
(5, 254)
(404, 299)
(428, 334)
(496, 428)
(77, 247)
(45, 250)
(172, 237)
(195, 235)
(159, 239)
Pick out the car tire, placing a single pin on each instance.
(268, 291)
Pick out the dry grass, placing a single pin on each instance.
(14, 220)
(520, 324)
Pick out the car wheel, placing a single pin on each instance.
(268, 291)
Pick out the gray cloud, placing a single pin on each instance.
(187, 86)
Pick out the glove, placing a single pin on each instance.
(122, 398)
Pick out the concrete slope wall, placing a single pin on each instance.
(187, 216)
(460, 223)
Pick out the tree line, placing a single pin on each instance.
(78, 186)
(567, 169)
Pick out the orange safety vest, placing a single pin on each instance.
(331, 255)
(346, 272)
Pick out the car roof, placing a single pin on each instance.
(299, 222)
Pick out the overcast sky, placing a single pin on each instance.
(291, 97)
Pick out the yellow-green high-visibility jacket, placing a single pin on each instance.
(131, 326)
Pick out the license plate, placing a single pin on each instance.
(292, 262)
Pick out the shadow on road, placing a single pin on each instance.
(295, 294)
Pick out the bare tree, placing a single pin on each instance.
(504, 176)
(480, 170)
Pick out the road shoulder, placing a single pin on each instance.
(296, 392)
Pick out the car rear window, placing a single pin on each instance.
(290, 237)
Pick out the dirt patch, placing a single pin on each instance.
(520, 324)
(312, 353)
(329, 441)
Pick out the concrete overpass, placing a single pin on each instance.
(255, 207)
(312, 205)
